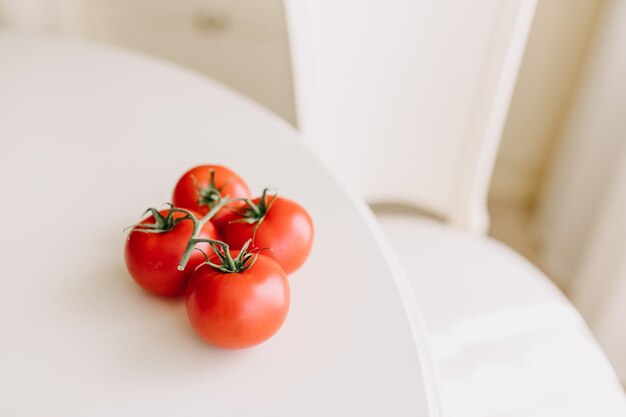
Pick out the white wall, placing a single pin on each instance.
(599, 287)
(580, 222)
(241, 43)
(587, 158)
(556, 51)
(26, 14)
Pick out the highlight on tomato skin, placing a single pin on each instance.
(152, 258)
(286, 231)
(203, 186)
(241, 309)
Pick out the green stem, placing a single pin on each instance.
(244, 260)
(162, 223)
(197, 227)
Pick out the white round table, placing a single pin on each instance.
(90, 136)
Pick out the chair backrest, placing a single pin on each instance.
(407, 99)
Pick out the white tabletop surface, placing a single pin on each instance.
(91, 136)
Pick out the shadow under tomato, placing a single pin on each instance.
(132, 330)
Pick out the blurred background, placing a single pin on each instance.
(558, 194)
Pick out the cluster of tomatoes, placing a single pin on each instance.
(227, 253)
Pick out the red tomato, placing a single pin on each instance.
(197, 190)
(152, 258)
(282, 226)
(236, 310)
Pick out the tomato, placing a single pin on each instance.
(202, 187)
(277, 224)
(241, 308)
(152, 258)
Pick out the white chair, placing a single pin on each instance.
(407, 100)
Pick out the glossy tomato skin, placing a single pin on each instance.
(286, 231)
(241, 309)
(230, 184)
(152, 258)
